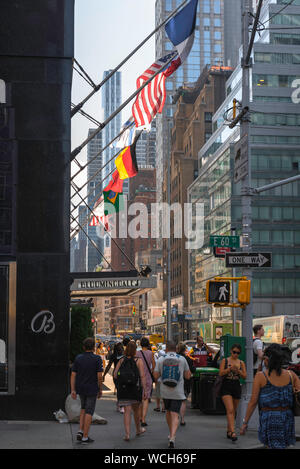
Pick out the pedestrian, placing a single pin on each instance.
(258, 347)
(149, 364)
(199, 353)
(273, 392)
(86, 380)
(125, 341)
(157, 393)
(131, 385)
(102, 352)
(182, 350)
(114, 357)
(172, 368)
(232, 369)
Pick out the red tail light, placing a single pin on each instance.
(283, 340)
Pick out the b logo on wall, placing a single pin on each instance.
(43, 322)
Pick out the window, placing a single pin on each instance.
(168, 5)
(206, 6)
(217, 7)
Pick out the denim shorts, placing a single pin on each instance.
(173, 405)
(88, 403)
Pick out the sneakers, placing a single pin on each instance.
(87, 441)
(79, 435)
(171, 444)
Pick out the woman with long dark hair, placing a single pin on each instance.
(232, 369)
(273, 392)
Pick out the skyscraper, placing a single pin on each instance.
(94, 188)
(275, 149)
(111, 101)
(216, 42)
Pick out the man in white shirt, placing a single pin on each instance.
(258, 347)
(172, 369)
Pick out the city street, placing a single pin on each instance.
(201, 432)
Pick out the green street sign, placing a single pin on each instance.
(224, 241)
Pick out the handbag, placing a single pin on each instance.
(148, 367)
(218, 383)
(296, 400)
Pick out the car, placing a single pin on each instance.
(215, 347)
(189, 344)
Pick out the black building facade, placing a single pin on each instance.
(36, 51)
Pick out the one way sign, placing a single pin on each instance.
(250, 259)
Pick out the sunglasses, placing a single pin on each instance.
(237, 352)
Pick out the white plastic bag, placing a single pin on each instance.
(73, 408)
(61, 416)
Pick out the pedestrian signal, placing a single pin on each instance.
(133, 310)
(218, 292)
(244, 292)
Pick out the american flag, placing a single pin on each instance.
(98, 217)
(152, 98)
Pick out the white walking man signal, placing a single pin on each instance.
(222, 293)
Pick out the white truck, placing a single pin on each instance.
(283, 329)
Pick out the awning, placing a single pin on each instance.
(93, 284)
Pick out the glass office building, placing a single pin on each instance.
(94, 191)
(111, 101)
(275, 155)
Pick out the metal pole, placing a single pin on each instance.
(246, 194)
(233, 232)
(169, 317)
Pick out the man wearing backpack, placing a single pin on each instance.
(172, 369)
(258, 347)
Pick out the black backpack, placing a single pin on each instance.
(128, 374)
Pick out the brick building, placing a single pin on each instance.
(191, 128)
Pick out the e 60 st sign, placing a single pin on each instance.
(224, 241)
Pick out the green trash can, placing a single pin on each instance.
(195, 400)
(209, 404)
(196, 384)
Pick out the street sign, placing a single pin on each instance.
(250, 259)
(217, 292)
(221, 252)
(224, 241)
(241, 159)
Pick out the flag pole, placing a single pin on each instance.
(77, 150)
(97, 88)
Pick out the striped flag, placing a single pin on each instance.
(181, 29)
(152, 98)
(98, 217)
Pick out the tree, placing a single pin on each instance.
(81, 328)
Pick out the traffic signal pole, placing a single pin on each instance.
(246, 195)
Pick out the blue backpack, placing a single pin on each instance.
(170, 371)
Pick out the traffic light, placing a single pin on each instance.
(244, 292)
(217, 292)
(234, 109)
(133, 310)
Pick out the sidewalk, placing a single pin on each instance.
(201, 432)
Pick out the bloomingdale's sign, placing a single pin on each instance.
(107, 284)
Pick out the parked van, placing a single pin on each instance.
(283, 329)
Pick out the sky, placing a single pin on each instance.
(105, 33)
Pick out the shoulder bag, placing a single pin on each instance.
(296, 401)
(148, 367)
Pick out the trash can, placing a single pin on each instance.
(209, 404)
(195, 399)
